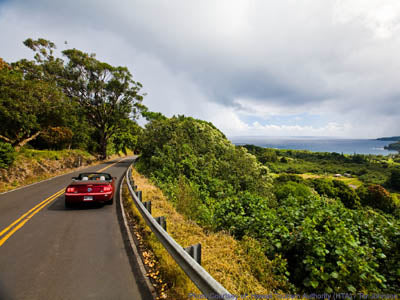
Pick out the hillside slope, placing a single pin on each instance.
(35, 165)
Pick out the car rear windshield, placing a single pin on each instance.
(94, 176)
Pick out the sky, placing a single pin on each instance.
(252, 67)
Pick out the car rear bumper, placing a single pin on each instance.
(79, 198)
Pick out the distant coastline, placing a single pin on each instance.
(319, 144)
(392, 146)
(389, 138)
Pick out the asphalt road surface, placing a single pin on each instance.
(50, 252)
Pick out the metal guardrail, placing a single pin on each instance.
(210, 288)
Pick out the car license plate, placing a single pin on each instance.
(87, 198)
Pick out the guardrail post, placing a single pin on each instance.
(188, 260)
(195, 252)
(139, 195)
(147, 205)
(161, 220)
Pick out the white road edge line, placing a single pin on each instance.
(48, 179)
(133, 245)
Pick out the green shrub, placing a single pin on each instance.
(346, 194)
(262, 267)
(378, 197)
(291, 188)
(394, 179)
(330, 248)
(204, 160)
(288, 177)
(284, 160)
(336, 189)
(189, 203)
(244, 214)
(324, 187)
(318, 243)
(7, 155)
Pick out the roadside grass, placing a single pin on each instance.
(39, 155)
(32, 166)
(232, 263)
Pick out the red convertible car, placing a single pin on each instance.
(90, 187)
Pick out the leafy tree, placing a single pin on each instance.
(346, 194)
(3, 64)
(283, 178)
(107, 94)
(290, 188)
(151, 115)
(377, 196)
(268, 156)
(45, 66)
(28, 107)
(7, 155)
(54, 138)
(81, 102)
(394, 179)
(317, 243)
(359, 158)
(210, 167)
(324, 187)
(126, 137)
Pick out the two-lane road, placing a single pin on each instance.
(50, 252)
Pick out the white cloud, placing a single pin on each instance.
(228, 62)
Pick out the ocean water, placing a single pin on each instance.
(318, 144)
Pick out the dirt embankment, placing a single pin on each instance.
(33, 167)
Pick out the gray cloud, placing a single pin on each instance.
(336, 59)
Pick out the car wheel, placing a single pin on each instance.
(68, 204)
(110, 202)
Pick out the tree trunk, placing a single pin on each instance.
(6, 139)
(103, 146)
(27, 140)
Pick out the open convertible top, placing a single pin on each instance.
(94, 176)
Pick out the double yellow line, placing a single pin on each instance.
(17, 224)
(6, 233)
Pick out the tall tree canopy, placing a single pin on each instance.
(107, 96)
(27, 106)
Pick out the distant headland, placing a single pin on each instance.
(392, 146)
(390, 138)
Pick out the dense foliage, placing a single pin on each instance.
(108, 95)
(192, 157)
(7, 154)
(28, 107)
(330, 248)
(393, 146)
(370, 169)
(79, 102)
(394, 180)
(323, 235)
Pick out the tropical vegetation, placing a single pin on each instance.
(326, 222)
(324, 235)
(72, 101)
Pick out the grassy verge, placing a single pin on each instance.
(40, 155)
(236, 265)
(32, 166)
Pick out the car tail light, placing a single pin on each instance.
(107, 188)
(70, 189)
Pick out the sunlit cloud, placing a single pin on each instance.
(304, 67)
